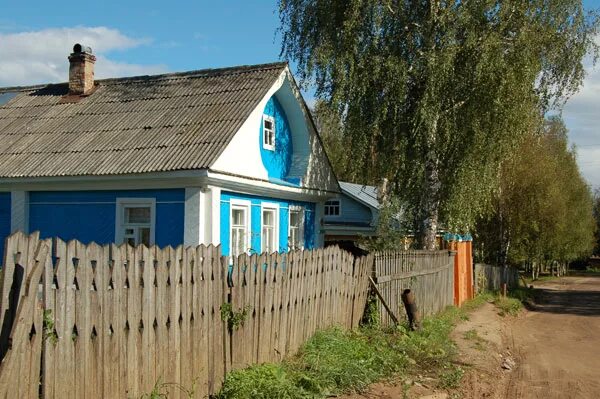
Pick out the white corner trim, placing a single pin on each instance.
(19, 211)
(213, 213)
(121, 203)
(192, 219)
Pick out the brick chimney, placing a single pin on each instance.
(81, 70)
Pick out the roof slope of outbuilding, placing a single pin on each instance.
(363, 193)
(178, 121)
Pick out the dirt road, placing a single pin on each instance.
(557, 345)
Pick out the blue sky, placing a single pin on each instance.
(174, 34)
(146, 37)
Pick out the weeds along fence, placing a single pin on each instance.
(287, 304)
(429, 274)
(491, 278)
(110, 321)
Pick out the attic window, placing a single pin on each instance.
(268, 132)
(332, 208)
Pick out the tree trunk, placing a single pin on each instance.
(430, 194)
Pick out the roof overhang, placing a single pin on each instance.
(349, 230)
(158, 180)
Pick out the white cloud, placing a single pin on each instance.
(41, 56)
(582, 116)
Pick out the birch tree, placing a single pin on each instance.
(433, 95)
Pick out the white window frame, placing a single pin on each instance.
(247, 206)
(268, 146)
(339, 201)
(269, 206)
(300, 209)
(120, 224)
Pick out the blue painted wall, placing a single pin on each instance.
(255, 220)
(90, 215)
(4, 222)
(277, 162)
(351, 211)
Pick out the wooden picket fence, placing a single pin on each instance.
(112, 321)
(429, 274)
(289, 297)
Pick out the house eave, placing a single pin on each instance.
(170, 179)
(173, 179)
(263, 187)
(340, 229)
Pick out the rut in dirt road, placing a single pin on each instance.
(558, 343)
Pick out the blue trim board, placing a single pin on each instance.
(4, 221)
(90, 215)
(255, 221)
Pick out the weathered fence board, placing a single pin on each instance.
(20, 368)
(288, 297)
(491, 278)
(429, 274)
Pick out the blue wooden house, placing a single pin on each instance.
(351, 215)
(224, 156)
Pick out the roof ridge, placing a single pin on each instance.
(198, 72)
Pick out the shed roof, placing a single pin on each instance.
(177, 121)
(363, 193)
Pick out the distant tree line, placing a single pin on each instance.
(542, 213)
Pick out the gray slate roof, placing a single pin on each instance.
(178, 121)
(363, 193)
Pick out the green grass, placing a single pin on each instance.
(451, 376)
(476, 339)
(512, 304)
(479, 300)
(542, 278)
(331, 362)
(336, 361)
(163, 390)
(593, 270)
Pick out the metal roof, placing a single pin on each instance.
(363, 193)
(178, 121)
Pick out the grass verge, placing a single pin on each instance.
(514, 302)
(336, 361)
